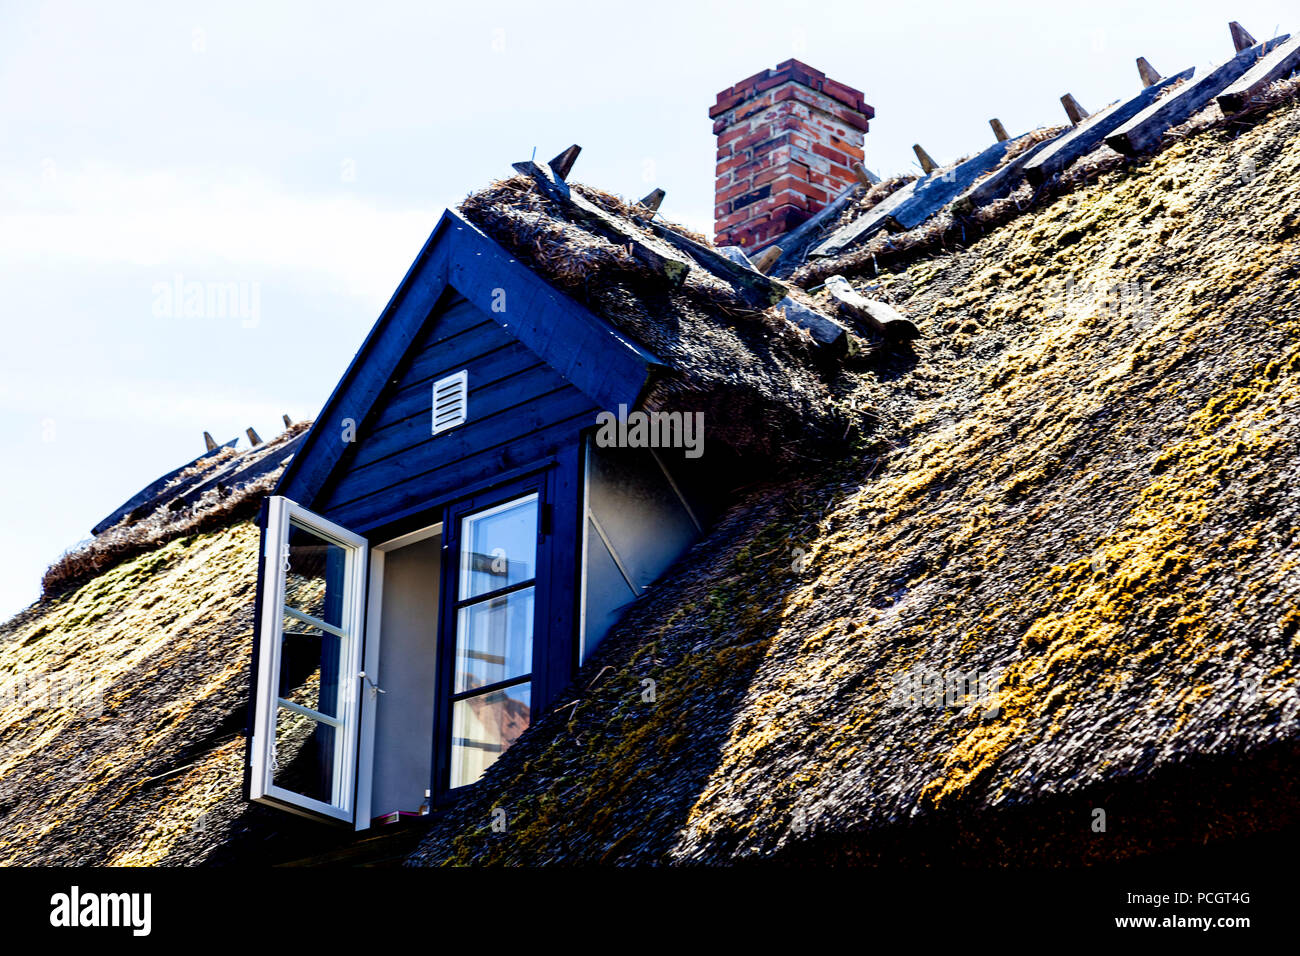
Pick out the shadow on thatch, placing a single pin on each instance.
(1210, 810)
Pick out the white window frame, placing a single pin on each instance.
(281, 513)
(463, 576)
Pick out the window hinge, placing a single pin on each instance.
(545, 520)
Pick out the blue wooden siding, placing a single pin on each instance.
(520, 411)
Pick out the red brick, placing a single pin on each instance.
(769, 150)
(726, 100)
(734, 191)
(786, 137)
(781, 171)
(831, 183)
(800, 185)
(792, 198)
(754, 106)
(834, 155)
(845, 146)
(734, 219)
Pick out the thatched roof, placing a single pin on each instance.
(213, 491)
(1080, 482)
(124, 690)
(757, 377)
(1090, 494)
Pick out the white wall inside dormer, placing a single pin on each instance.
(636, 525)
(407, 659)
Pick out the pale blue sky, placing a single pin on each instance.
(304, 151)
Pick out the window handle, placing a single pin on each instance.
(375, 689)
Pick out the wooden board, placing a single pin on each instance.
(152, 490)
(880, 318)
(244, 473)
(914, 203)
(411, 487)
(737, 255)
(828, 333)
(459, 259)
(942, 188)
(1087, 136)
(1144, 131)
(797, 236)
(870, 222)
(1000, 183)
(758, 288)
(1277, 65)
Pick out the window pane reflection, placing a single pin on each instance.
(309, 667)
(499, 548)
(494, 640)
(483, 728)
(313, 583)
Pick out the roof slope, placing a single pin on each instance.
(123, 697)
(1090, 491)
(148, 664)
(213, 491)
(1082, 480)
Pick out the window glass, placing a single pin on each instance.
(309, 667)
(306, 733)
(494, 635)
(498, 548)
(494, 640)
(313, 581)
(313, 642)
(304, 756)
(484, 727)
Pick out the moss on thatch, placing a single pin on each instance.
(1088, 492)
(1082, 481)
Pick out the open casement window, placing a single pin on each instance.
(491, 690)
(304, 750)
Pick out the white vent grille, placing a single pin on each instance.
(450, 398)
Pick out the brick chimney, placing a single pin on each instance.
(786, 139)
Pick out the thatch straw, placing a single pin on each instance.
(161, 522)
(754, 375)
